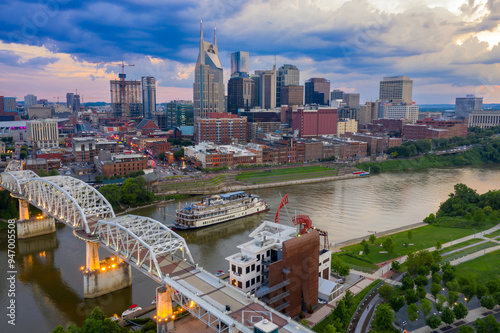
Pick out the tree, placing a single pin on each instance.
(407, 283)
(439, 246)
(385, 292)
(492, 286)
(460, 311)
(366, 249)
(98, 178)
(421, 280)
(466, 329)
(179, 154)
(487, 325)
(112, 193)
(42, 173)
(59, 329)
(410, 234)
(342, 313)
(435, 289)
(22, 155)
(426, 307)
(372, 238)
(395, 265)
(435, 268)
(488, 302)
(441, 299)
(436, 277)
(448, 273)
(433, 321)
(410, 296)
(421, 292)
(412, 312)
(452, 297)
(384, 317)
(397, 302)
(389, 245)
(481, 290)
(430, 219)
(448, 316)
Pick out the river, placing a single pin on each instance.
(50, 285)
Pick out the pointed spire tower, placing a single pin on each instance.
(201, 56)
(215, 40)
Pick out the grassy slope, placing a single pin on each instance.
(483, 269)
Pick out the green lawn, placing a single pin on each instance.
(293, 177)
(460, 245)
(483, 269)
(249, 175)
(193, 183)
(423, 237)
(359, 265)
(493, 234)
(470, 250)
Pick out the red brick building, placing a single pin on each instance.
(315, 122)
(221, 128)
(454, 127)
(394, 126)
(120, 165)
(159, 147)
(420, 132)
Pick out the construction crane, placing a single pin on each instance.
(57, 99)
(120, 76)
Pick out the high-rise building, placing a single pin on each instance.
(337, 94)
(70, 97)
(76, 103)
(221, 128)
(239, 62)
(7, 115)
(292, 95)
(148, 96)
(396, 89)
(267, 88)
(240, 94)
(43, 133)
(314, 121)
(10, 104)
(317, 91)
(465, 105)
(208, 87)
(287, 75)
(402, 112)
(178, 113)
(256, 83)
(367, 113)
(126, 102)
(29, 100)
(351, 100)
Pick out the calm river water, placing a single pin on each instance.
(50, 285)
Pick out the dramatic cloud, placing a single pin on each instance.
(449, 47)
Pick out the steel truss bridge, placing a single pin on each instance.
(147, 245)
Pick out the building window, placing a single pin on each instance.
(233, 268)
(239, 270)
(248, 284)
(258, 278)
(240, 285)
(253, 267)
(268, 253)
(253, 281)
(258, 268)
(248, 269)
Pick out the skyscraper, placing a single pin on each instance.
(240, 94)
(239, 62)
(126, 102)
(76, 103)
(317, 91)
(351, 100)
(70, 97)
(465, 105)
(337, 94)
(29, 100)
(287, 75)
(148, 96)
(267, 88)
(208, 87)
(396, 89)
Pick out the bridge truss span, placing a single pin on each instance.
(142, 241)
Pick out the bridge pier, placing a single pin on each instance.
(24, 213)
(164, 311)
(31, 227)
(100, 278)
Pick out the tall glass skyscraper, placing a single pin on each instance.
(239, 62)
(148, 96)
(208, 87)
(287, 75)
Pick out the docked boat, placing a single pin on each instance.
(133, 308)
(219, 208)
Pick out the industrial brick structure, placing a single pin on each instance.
(221, 128)
(314, 121)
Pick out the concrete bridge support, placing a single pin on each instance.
(31, 227)
(24, 213)
(164, 311)
(100, 278)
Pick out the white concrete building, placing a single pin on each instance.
(403, 112)
(43, 133)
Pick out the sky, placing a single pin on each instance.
(448, 47)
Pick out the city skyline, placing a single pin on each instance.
(447, 47)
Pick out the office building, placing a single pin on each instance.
(337, 94)
(367, 113)
(76, 103)
(239, 62)
(208, 87)
(126, 98)
(256, 83)
(484, 119)
(351, 100)
(267, 88)
(346, 125)
(396, 89)
(70, 97)
(39, 111)
(287, 75)
(311, 121)
(466, 105)
(43, 133)
(292, 95)
(148, 96)
(221, 128)
(109, 164)
(29, 100)
(317, 91)
(409, 112)
(240, 94)
(10, 105)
